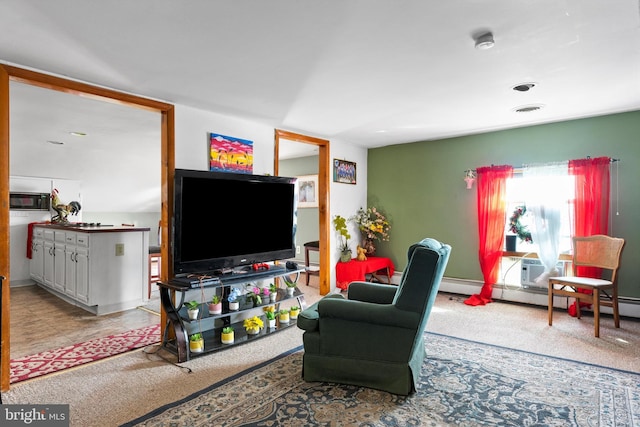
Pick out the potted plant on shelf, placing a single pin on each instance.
(193, 308)
(215, 305)
(234, 304)
(253, 297)
(227, 335)
(265, 294)
(271, 319)
(283, 315)
(294, 311)
(253, 325)
(291, 285)
(273, 292)
(340, 225)
(196, 343)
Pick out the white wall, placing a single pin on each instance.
(346, 199)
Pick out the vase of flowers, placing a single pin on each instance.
(253, 297)
(234, 294)
(373, 226)
(215, 305)
(340, 225)
(265, 294)
(253, 325)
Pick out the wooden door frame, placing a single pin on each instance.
(167, 135)
(324, 166)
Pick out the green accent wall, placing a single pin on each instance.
(420, 185)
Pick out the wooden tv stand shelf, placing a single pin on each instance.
(210, 325)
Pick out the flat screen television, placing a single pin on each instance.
(226, 220)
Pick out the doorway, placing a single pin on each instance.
(15, 74)
(323, 196)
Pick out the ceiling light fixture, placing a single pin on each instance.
(485, 41)
(55, 142)
(77, 133)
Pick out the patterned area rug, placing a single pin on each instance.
(463, 383)
(47, 362)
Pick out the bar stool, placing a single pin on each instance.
(310, 246)
(155, 257)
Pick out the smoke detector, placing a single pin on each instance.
(484, 41)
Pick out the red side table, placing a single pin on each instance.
(356, 271)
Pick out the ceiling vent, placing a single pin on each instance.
(528, 108)
(524, 87)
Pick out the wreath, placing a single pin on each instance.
(518, 229)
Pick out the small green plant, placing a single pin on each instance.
(270, 315)
(227, 329)
(195, 337)
(283, 311)
(289, 282)
(215, 299)
(192, 305)
(273, 288)
(294, 308)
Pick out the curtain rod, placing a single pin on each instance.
(469, 172)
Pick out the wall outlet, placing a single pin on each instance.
(119, 249)
(298, 250)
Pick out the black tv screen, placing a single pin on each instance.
(225, 220)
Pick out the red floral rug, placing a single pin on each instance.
(47, 362)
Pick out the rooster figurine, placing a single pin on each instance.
(62, 210)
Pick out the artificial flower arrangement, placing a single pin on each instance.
(340, 225)
(253, 324)
(518, 229)
(264, 293)
(372, 223)
(254, 296)
(273, 288)
(234, 294)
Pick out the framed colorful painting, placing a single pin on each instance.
(344, 171)
(229, 154)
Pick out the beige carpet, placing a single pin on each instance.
(122, 388)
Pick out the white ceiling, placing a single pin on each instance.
(372, 73)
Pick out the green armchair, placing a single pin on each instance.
(375, 337)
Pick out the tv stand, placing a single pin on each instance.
(174, 293)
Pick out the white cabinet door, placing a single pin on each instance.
(36, 265)
(58, 267)
(48, 264)
(70, 270)
(82, 274)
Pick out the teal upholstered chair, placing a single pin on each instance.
(375, 337)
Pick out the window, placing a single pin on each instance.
(543, 189)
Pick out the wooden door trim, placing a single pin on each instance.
(323, 197)
(167, 136)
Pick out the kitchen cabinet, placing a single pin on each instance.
(100, 269)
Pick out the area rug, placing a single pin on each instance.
(47, 362)
(462, 383)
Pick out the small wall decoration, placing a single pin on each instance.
(344, 171)
(308, 191)
(229, 154)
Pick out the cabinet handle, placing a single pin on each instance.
(75, 256)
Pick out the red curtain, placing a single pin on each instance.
(491, 205)
(591, 208)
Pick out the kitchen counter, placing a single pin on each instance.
(87, 228)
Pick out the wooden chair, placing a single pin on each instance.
(310, 246)
(598, 251)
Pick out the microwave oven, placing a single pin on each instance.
(29, 201)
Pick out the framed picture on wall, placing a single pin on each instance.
(308, 191)
(229, 154)
(344, 171)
